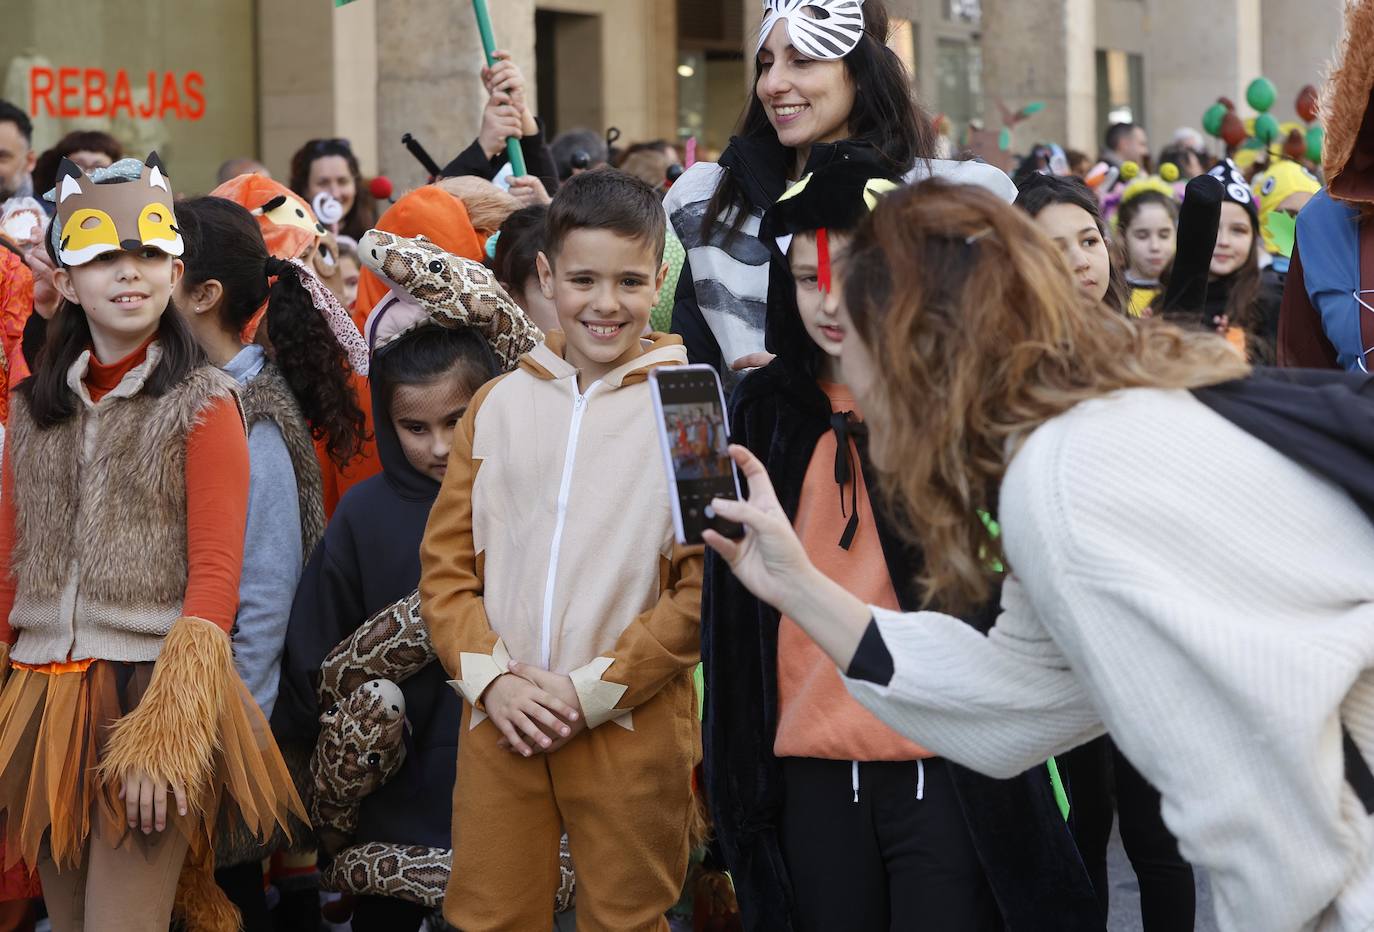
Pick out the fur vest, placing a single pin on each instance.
(267, 397)
(99, 558)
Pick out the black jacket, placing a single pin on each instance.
(1263, 330)
(368, 559)
(538, 161)
(779, 412)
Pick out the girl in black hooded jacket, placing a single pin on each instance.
(919, 840)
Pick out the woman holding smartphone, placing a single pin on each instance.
(1225, 662)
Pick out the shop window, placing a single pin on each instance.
(1120, 88)
(902, 40)
(959, 72)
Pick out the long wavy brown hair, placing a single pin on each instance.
(977, 337)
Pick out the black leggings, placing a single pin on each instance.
(1102, 781)
(886, 862)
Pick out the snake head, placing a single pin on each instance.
(416, 266)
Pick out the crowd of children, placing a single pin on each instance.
(297, 497)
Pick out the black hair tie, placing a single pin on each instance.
(275, 267)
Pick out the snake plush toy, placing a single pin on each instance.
(361, 743)
(455, 291)
(361, 746)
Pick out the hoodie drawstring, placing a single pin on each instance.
(920, 779)
(854, 777)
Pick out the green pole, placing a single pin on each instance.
(513, 152)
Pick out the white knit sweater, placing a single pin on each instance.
(1210, 603)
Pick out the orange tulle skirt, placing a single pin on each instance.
(54, 727)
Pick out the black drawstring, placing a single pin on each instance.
(846, 472)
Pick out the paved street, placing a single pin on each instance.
(1125, 915)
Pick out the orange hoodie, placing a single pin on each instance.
(443, 220)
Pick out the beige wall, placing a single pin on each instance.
(1299, 41)
(139, 36)
(638, 76)
(296, 80)
(1041, 52)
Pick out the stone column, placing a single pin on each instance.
(295, 79)
(1187, 69)
(1042, 51)
(428, 60)
(1298, 43)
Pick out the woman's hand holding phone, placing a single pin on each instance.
(769, 560)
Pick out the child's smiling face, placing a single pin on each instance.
(603, 286)
(123, 294)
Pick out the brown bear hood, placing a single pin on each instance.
(1346, 111)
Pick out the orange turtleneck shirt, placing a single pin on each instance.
(216, 505)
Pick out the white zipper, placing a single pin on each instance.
(569, 458)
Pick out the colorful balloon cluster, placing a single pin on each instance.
(1222, 121)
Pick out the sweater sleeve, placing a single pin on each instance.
(538, 161)
(451, 577)
(999, 703)
(471, 161)
(271, 564)
(216, 513)
(656, 647)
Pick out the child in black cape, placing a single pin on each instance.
(1009, 831)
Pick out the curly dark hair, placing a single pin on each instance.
(224, 243)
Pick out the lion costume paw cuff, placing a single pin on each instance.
(478, 671)
(172, 735)
(598, 696)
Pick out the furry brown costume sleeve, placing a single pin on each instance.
(171, 736)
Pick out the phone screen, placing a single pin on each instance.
(691, 412)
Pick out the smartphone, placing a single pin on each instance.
(690, 408)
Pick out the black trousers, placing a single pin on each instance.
(888, 861)
(384, 914)
(243, 885)
(1101, 783)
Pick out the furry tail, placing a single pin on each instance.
(200, 903)
(172, 735)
